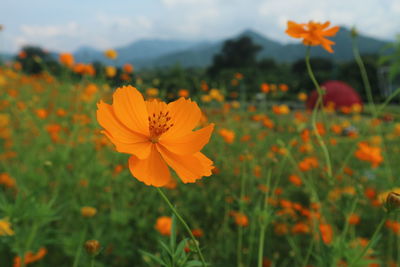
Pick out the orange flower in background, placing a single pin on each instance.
(67, 59)
(369, 153)
(42, 113)
(241, 219)
(264, 87)
(313, 33)
(228, 135)
(6, 180)
(308, 163)
(5, 227)
(354, 219)
(326, 233)
(296, 180)
(157, 135)
(183, 93)
(128, 68)
(280, 109)
(30, 257)
(283, 87)
(300, 228)
(164, 225)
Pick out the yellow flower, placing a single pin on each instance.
(206, 98)
(5, 227)
(88, 211)
(111, 71)
(111, 54)
(302, 96)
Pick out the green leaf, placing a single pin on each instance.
(153, 257)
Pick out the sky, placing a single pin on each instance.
(64, 26)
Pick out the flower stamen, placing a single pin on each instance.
(159, 124)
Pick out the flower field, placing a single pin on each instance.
(92, 175)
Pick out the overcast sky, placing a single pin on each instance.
(66, 25)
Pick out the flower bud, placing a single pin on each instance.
(92, 247)
(393, 201)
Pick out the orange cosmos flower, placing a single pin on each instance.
(264, 87)
(369, 153)
(296, 180)
(228, 135)
(241, 219)
(313, 33)
(67, 59)
(156, 134)
(30, 257)
(326, 233)
(128, 68)
(308, 163)
(164, 225)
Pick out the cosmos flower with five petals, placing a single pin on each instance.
(157, 135)
(313, 33)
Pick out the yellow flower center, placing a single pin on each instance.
(159, 124)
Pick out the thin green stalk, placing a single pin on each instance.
(373, 239)
(240, 234)
(239, 247)
(364, 75)
(368, 91)
(80, 248)
(393, 95)
(184, 224)
(92, 262)
(28, 243)
(264, 223)
(314, 115)
(261, 245)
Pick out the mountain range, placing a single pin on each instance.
(150, 53)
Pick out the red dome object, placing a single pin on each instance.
(337, 92)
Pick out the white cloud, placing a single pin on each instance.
(69, 29)
(104, 27)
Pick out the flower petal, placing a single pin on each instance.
(294, 29)
(188, 167)
(130, 109)
(151, 171)
(332, 31)
(125, 140)
(155, 106)
(185, 116)
(190, 143)
(139, 149)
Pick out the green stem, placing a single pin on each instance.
(29, 243)
(368, 91)
(80, 247)
(264, 222)
(261, 246)
(364, 75)
(239, 247)
(240, 234)
(314, 114)
(92, 262)
(183, 223)
(373, 239)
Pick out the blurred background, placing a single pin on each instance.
(177, 35)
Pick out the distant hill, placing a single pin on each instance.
(195, 57)
(150, 53)
(137, 51)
